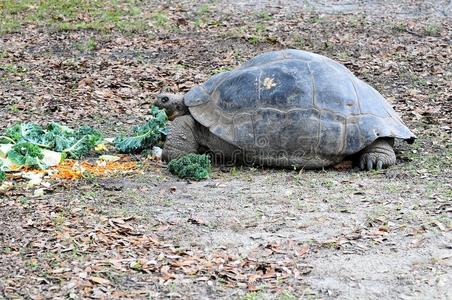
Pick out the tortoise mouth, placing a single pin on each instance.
(173, 116)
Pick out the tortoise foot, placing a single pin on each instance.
(378, 155)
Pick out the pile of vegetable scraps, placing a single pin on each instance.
(55, 150)
(33, 151)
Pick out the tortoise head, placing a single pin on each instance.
(173, 104)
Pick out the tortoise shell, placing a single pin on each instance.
(297, 102)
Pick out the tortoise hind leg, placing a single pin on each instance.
(380, 154)
(181, 138)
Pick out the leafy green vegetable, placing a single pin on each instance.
(75, 143)
(2, 173)
(192, 166)
(56, 137)
(24, 132)
(145, 136)
(27, 154)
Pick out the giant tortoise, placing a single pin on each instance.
(286, 108)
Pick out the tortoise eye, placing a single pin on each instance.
(164, 99)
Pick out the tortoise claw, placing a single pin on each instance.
(377, 156)
(371, 161)
(379, 164)
(369, 164)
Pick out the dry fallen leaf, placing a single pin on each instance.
(99, 280)
(304, 249)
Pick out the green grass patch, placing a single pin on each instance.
(70, 15)
(432, 29)
(87, 45)
(259, 34)
(430, 154)
(264, 15)
(286, 295)
(399, 27)
(314, 19)
(222, 69)
(252, 296)
(160, 19)
(298, 41)
(204, 9)
(11, 70)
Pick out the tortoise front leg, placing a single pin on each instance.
(181, 138)
(380, 154)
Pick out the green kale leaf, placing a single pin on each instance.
(24, 132)
(145, 136)
(56, 137)
(191, 166)
(74, 143)
(2, 172)
(27, 154)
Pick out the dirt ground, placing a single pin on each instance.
(245, 233)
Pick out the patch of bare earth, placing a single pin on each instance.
(244, 233)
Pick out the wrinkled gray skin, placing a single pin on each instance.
(186, 135)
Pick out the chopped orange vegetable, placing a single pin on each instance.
(73, 169)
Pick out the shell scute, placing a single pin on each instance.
(286, 85)
(332, 133)
(301, 133)
(371, 101)
(334, 90)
